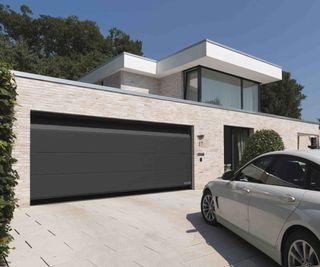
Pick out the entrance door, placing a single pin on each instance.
(235, 139)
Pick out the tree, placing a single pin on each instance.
(55, 46)
(283, 97)
(262, 141)
(8, 175)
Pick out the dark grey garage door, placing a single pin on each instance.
(83, 156)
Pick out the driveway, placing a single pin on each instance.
(160, 229)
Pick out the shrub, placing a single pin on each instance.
(262, 141)
(8, 176)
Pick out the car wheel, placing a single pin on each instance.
(207, 208)
(301, 249)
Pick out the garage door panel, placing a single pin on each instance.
(69, 161)
(180, 177)
(78, 142)
(57, 163)
(91, 162)
(101, 183)
(78, 184)
(74, 141)
(172, 162)
(174, 144)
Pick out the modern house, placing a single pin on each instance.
(136, 124)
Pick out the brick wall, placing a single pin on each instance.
(139, 83)
(39, 95)
(172, 86)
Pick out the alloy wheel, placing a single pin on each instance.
(208, 208)
(302, 254)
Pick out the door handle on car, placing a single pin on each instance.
(288, 198)
(247, 190)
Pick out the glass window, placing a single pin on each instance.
(289, 172)
(315, 178)
(220, 89)
(253, 173)
(250, 96)
(192, 85)
(235, 139)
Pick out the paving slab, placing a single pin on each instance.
(159, 229)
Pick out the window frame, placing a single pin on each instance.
(198, 85)
(250, 131)
(199, 67)
(238, 172)
(308, 179)
(275, 157)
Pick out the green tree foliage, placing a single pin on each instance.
(55, 46)
(283, 97)
(262, 141)
(8, 176)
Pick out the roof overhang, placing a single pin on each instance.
(205, 53)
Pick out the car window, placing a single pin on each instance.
(253, 172)
(288, 171)
(314, 178)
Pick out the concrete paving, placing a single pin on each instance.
(160, 229)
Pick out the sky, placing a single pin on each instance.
(284, 32)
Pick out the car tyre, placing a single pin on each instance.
(302, 248)
(208, 208)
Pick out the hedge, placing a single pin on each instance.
(8, 176)
(262, 141)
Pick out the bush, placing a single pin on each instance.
(8, 176)
(262, 141)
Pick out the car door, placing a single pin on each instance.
(234, 196)
(273, 201)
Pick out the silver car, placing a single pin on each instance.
(274, 203)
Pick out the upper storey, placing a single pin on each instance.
(204, 72)
(205, 53)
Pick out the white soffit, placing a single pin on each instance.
(140, 65)
(218, 57)
(124, 61)
(205, 53)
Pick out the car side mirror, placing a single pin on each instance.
(227, 175)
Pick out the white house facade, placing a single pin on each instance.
(135, 124)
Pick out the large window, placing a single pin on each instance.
(250, 95)
(192, 85)
(217, 88)
(220, 89)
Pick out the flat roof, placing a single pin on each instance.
(205, 53)
(152, 96)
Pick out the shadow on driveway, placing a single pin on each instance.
(235, 250)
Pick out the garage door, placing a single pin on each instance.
(85, 156)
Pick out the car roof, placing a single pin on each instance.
(309, 154)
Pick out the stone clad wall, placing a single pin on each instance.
(113, 80)
(172, 86)
(42, 95)
(139, 83)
